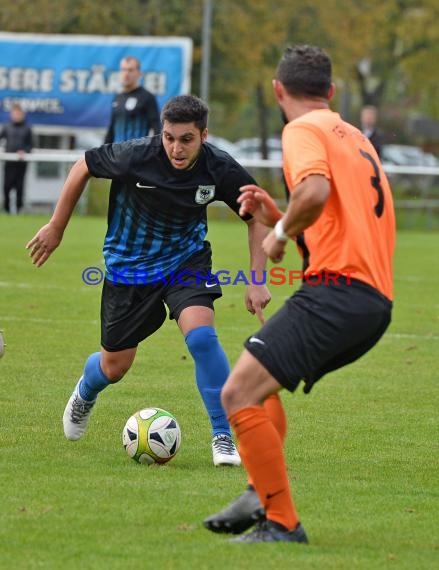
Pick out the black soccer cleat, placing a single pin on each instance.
(270, 531)
(241, 514)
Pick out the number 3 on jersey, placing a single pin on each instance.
(376, 183)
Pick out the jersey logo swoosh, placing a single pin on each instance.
(142, 186)
(208, 285)
(271, 495)
(253, 339)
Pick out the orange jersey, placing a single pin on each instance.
(356, 230)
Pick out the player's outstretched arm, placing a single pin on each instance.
(257, 296)
(49, 236)
(258, 202)
(305, 206)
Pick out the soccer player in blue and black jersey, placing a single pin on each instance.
(134, 111)
(156, 255)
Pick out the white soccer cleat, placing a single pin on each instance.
(224, 451)
(76, 415)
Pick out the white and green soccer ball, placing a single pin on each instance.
(151, 435)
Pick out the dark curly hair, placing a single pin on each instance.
(305, 70)
(186, 109)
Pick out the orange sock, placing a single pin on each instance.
(276, 413)
(261, 450)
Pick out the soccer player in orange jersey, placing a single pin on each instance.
(340, 214)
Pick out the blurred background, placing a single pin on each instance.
(384, 53)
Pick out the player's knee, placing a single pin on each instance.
(201, 340)
(230, 397)
(226, 398)
(114, 367)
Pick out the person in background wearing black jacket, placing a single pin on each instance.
(18, 136)
(135, 112)
(369, 116)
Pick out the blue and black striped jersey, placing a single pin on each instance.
(133, 115)
(157, 214)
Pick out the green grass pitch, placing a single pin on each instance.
(362, 448)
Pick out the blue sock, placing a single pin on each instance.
(211, 372)
(93, 379)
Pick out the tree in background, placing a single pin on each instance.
(383, 52)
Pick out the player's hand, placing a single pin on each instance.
(43, 244)
(257, 298)
(273, 248)
(258, 202)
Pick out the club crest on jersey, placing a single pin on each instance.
(130, 103)
(204, 194)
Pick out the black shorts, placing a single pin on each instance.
(131, 313)
(320, 328)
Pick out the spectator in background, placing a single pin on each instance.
(18, 136)
(369, 116)
(135, 112)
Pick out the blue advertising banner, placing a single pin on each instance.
(70, 80)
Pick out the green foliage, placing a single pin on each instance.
(362, 448)
(396, 38)
(79, 17)
(97, 197)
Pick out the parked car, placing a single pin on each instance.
(223, 144)
(85, 140)
(251, 148)
(408, 155)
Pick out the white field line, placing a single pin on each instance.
(37, 320)
(46, 285)
(397, 336)
(416, 278)
(246, 328)
(412, 336)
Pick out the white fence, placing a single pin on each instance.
(42, 186)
